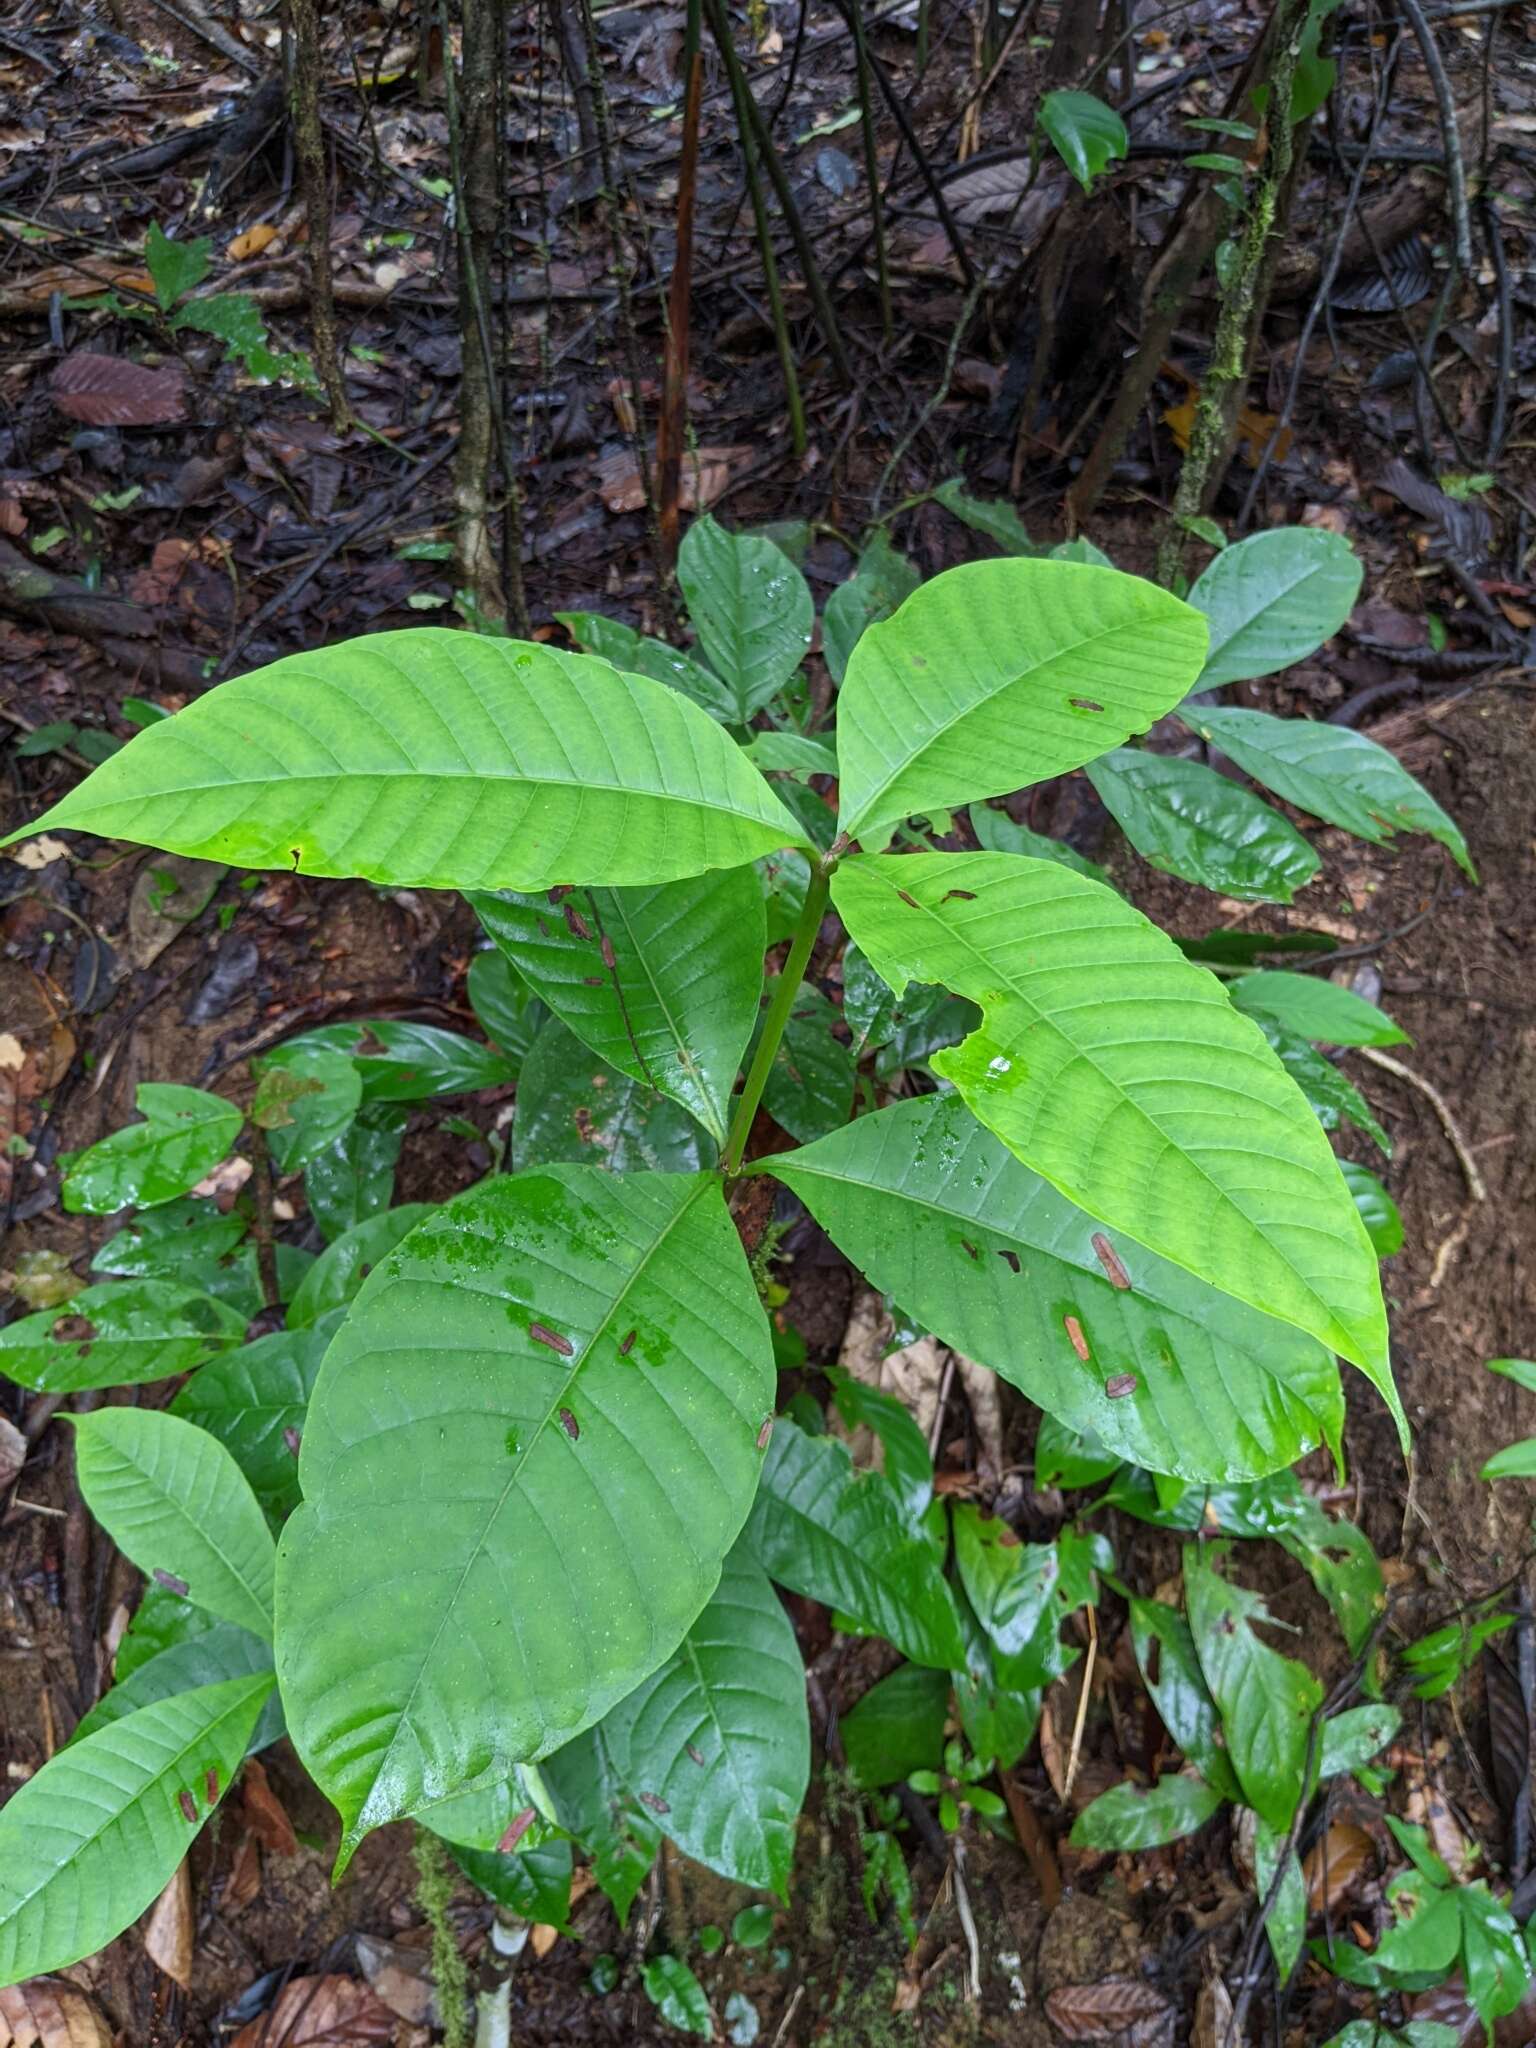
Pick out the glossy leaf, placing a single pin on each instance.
(434, 759)
(1129, 1817)
(1273, 599)
(676, 1993)
(184, 1135)
(353, 1177)
(1494, 1952)
(840, 1537)
(1001, 674)
(716, 1742)
(254, 1400)
(119, 1333)
(174, 1501)
(1119, 1071)
(533, 1883)
(1332, 1097)
(164, 1242)
(529, 1447)
(89, 1842)
(1352, 1738)
(214, 1655)
(1331, 772)
(792, 753)
(1315, 1009)
(335, 1277)
(662, 984)
(1089, 136)
(162, 1621)
(1189, 821)
(572, 1106)
(1266, 1701)
(403, 1062)
(752, 611)
(640, 655)
(1069, 1457)
(999, 1719)
(881, 582)
(508, 1011)
(1170, 1670)
(991, 516)
(897, 1727)
(908, 1465)
(1008, 1583)
(619, 1835)
(1378, 1212)
(1521, 1370)
(942, 1217)
(306, 1096)
(1286, 1927)
(997, 833)
(810, 1085)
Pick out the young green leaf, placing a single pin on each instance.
(1088, 135)
(573, 1106)
(1494, 1953)
(1331, 772)
(436, 759)
(717, 1742)
(335, 1277)
(619, 1835)
(908, 1465)
(752, 611)
(508, 1011)
(897, 1727)
(999, 1719)
(675, 1991)
(120, 1333)
(305, 1099)
(404, 1062)
(1093, 1021)
(530, 1446)
(997, 833)
(175, 267)
(213, 1656)
(1130, 1816)
(89, 1842)
(1001, 674)
(1070, 1457)
(1378, 1212)
(941, 1216)
(254, 1400)
(1286, 1927)
(534, 1883)
(1266, 1701)
(1189, 821)
(841, 1537)
(353, 1177)
(1315, 1009)
(639, 655)
(164, 1242)
(1170, 1669)
(661, 983)
(1273, 599)
(174, 1501)
(185, 1133)
(1008, 1583)
(791, 753)
(881, 582)
(1331, 1096)
(1353, 1738)
(991, 516)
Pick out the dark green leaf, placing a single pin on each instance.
(533, 1883)
(353, 1178)
(880, 583)
(163, 1242)
(1170, 1669)
(1189, 821)
(185, 1134)
(1129, 1817)
(1494, 1957)
(1273, 599)
(642, 656)
(1353, 1738)
(750, 607)
(1008, 1583)
(219, 1652)
(1088, 135)
(306, 1096)
(997, 833)
(573, 1107)
(345, 1264)
(897, 1727)
(1070, 1458)
(122, 1332)
(908, 1465)
(617, 1833)
(998, 521)
(254, 1400)
(673, 1988)
(508, 1011)
(175, 267)
(999, 1719)
(1333, 1097)
(1378, 1212)
(404, 1062)
(810, 1084)
(1286, 1927)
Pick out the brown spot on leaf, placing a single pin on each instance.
(569, 1424)
(961, 895)
(628, 1344)
(517, 1828)
(1084, 704)
(170, 1582)
(72, 1329)
(1109, 1259)
(1122, 1384)
(764, 1433)
(211, 1788)
(576, 924)
(654, 1802)
(293, 1440)
(541, 1334)
(188, 1807)
(1074, 1330)
(609, 959)
(910, 901)
(696, 1753)
(1012, 1259)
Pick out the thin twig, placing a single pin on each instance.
(1476, 1186)
(1082, 1707)
(1504, 377)
(967, 1920)
(1455, 169)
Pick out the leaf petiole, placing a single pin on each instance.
(811, 914)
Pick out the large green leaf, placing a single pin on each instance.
(751, 609)
(174, 1501)
(185, 1133)
(1008, 1583)
(1266, 1701)
(572, 1106)
(306, 1097)
(1170, 1669)
(841, 1537)
(1189, 821)
(989, 1256)
(119, 1333)
(897, 1727)
(1119, 1070)
(999, 674)
(639, 655)
(534, 1883)
(438, 760)
(1332, 772)
(89, 1842)
(163, 1242)
(717, 1741)
(1088, 134)
(661, 983)
(1273, 599)
(530, 1446)
(253, 1400)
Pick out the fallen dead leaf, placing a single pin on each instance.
(1333, 1867)
(252, 242)
(157, 584)
(320, 2012)
(168, 1929)
(13, 520)
(244, 1880)
(13, 1451)
(46, 2013)
(1213, 2015)
(227, 1178)
(169, 891)
(1098, 2012)
(399, 1976)
(265, 1813)
(542, 1939)
(40, 852)
(703, 479)
(112, 391)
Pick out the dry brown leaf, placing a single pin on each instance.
(112, 391)
(1097, 2012)
(399, 1976)
(157, 584)
(1333, 1867)
(265, 1813)
(244, 1881)
(46, 2013)
(78, 280)
(542, 1938)
(320, 2012)
(1253, 429)
(1213, 2016)
(13, 1451)
(13, 520)
(168, 1929)
(703, 479)
(41, 852)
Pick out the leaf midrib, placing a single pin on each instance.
(1045, 1017)
(685, 1057)
(705, 1182)
(862, 816)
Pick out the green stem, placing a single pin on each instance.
(790, 976)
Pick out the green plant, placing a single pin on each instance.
(493, 1523)
(176, 269)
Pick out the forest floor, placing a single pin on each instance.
(245, 527)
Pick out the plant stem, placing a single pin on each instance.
(778, 1015)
